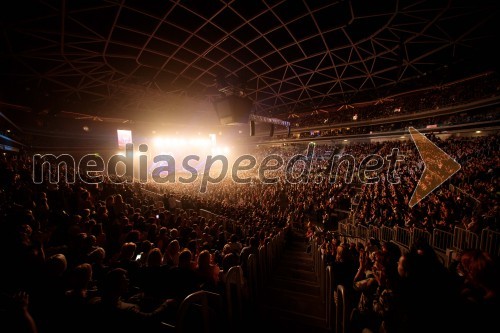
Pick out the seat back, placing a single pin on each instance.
(330, 304)
(262, 266)
(342, 310)
(201, 311)
(252, 277)
(234, 288)
(270, 257)
(322, 276)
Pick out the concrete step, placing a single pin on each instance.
(292, 301)
(297, 246)
(282, 320)
(306, 294)
(297, 252)
(294, 263)
(295, 286)
(307, 275)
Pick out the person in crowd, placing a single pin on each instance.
(208, 273)
(111, 312)
(251, 248)
(171, 255)
(479, 289)
(184, 277)
(49, 245)
(16, 315)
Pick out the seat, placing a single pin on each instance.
(342, 310)
(200, 312)
(262, 266)
(330, 304)
(234, 294)
(270, 258)
(322, 275)
(252, 281)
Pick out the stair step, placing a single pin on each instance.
(297, 254)
(303, 265)
(294, 286)
(297, 271)
(292, 300)
(297, 245)
(295, 302)
(289, 277)
(293, 321)
(311, 294)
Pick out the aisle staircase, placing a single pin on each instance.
(291, 301)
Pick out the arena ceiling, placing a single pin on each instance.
(129, 58)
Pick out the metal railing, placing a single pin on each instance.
(440, 240)
(386, 234)
(403, 237)
(465, 239)
(420, 234)
(490, 242)
(362, 232)
(374, 232)
(227, 223)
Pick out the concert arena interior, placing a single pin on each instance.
(248, 166)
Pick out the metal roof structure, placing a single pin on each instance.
(129, 58)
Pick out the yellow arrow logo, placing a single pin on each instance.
(438, 166)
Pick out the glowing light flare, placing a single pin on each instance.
(220, 150)
(181, 142)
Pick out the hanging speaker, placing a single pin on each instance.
(271, 133)
(252, 128)
(289, 131)
(233, 110)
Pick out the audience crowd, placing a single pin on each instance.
(119, 257)
(430, 122)
(433, 98)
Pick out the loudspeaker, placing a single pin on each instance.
(289, 131)
(271, 133)
(252, 128)
(233, 109)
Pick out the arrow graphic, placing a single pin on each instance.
(438, 166)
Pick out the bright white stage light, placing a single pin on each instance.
(158, 142)
(194, 142)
